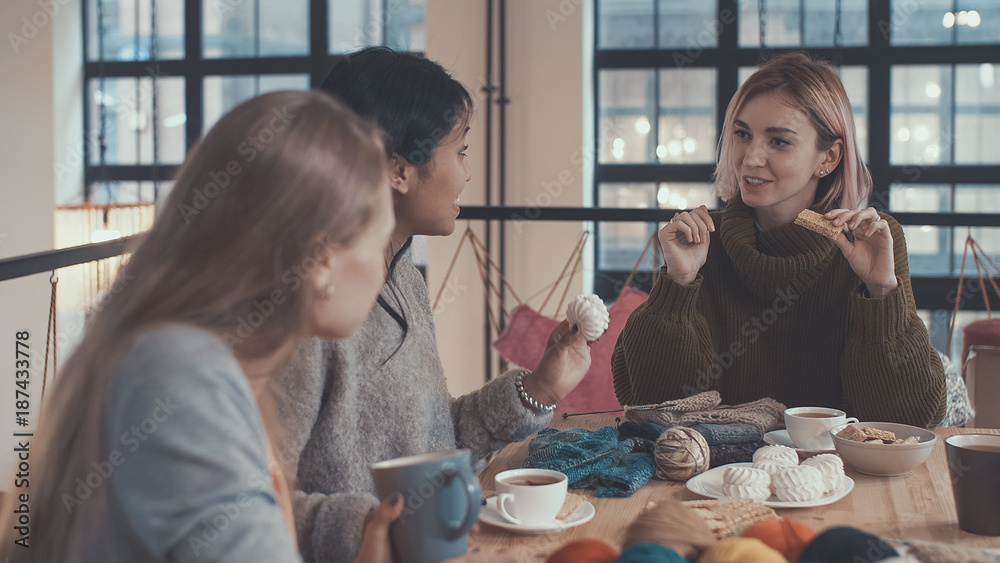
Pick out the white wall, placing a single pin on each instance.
(545, 83)
(39, 96)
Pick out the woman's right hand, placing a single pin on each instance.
(684, 241)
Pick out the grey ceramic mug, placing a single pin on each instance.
(442, 496)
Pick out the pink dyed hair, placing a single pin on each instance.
(813, 87)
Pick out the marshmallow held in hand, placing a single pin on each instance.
(589, 315)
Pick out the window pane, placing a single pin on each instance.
(626, 116)
(695, 25)
(926, 245)
(686, 195)
(126, 105)
(938, 250)
(977, 198)
(255, 28)
(977, 119)
(687, 116)
(127, 30)
(944, 22)
(787, 25)
(621, 243)
(981, 23)
(223, 93)
(625, 24)
(129, 193)
(921, 124)
(355, 24)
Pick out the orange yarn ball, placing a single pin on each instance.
(584, 551)
(786, 536)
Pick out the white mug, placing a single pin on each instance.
(530, 497)
(809, 427)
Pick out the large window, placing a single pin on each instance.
(924, 88)
(159, 73)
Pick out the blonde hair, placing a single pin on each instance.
(813, 87)
(276, 179)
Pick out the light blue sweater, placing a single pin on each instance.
(187, 458)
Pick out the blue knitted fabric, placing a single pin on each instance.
(596, 459)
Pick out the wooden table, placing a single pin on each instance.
(916, 506)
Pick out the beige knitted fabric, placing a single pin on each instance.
(705, 408)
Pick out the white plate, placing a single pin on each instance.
(709, 484)
(781, 438)
(491, 515)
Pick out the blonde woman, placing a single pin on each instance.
(753, 305)
(154, 447)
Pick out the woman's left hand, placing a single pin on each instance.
(565, 362)
(870, 255)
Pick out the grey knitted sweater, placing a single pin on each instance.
(349, 403)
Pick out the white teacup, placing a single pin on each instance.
(809, 427)
(530, 497)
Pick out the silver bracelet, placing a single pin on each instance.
(528, 399)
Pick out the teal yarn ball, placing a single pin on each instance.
(649, 553)
(847, 545)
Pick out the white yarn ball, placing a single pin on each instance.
(589, 314)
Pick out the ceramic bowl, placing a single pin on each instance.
(885, 460)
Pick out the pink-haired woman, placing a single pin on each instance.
(753, 305)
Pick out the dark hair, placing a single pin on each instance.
(416, 103)
(414, 100)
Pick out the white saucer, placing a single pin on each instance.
(781, 438)
(491, 515)
(709, 484)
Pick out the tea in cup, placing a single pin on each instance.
(809, 427)
(530, 497)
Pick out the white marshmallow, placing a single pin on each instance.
(776, 452)
(832, 469)
(590, 316)
(746, 482)
(797, 484)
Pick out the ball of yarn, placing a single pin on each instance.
(788, 537)
(681, 453)
(846, 545)
(584, 551)
(649, 553)
(673, 525)
(744, 550)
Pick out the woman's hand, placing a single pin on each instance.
(375, 546)
(565, 362)
(483, 557)
(684, 241)
(870, 255)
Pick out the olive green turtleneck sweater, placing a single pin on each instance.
(780, 314)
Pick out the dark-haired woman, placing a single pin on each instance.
(382, 393)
